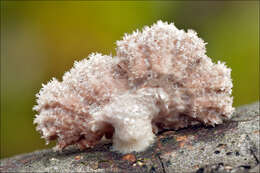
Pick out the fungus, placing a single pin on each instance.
(159, 79)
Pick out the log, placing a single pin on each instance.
(229, 147)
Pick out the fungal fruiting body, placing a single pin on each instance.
(159, 79)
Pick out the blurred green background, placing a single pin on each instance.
(42, 39)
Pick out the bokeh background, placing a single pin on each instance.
(42, 39)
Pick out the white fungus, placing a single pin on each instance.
(160, 78)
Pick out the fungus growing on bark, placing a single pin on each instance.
(159, 79)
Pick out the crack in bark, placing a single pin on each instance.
(252, 152)
(252, 147)
(161, 162)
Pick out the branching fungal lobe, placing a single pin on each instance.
(159, 79)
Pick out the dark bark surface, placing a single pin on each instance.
(229, 147)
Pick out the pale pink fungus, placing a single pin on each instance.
(160, 78)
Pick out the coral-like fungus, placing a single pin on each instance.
(160, 78)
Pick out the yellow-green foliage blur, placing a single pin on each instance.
(42, 39)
